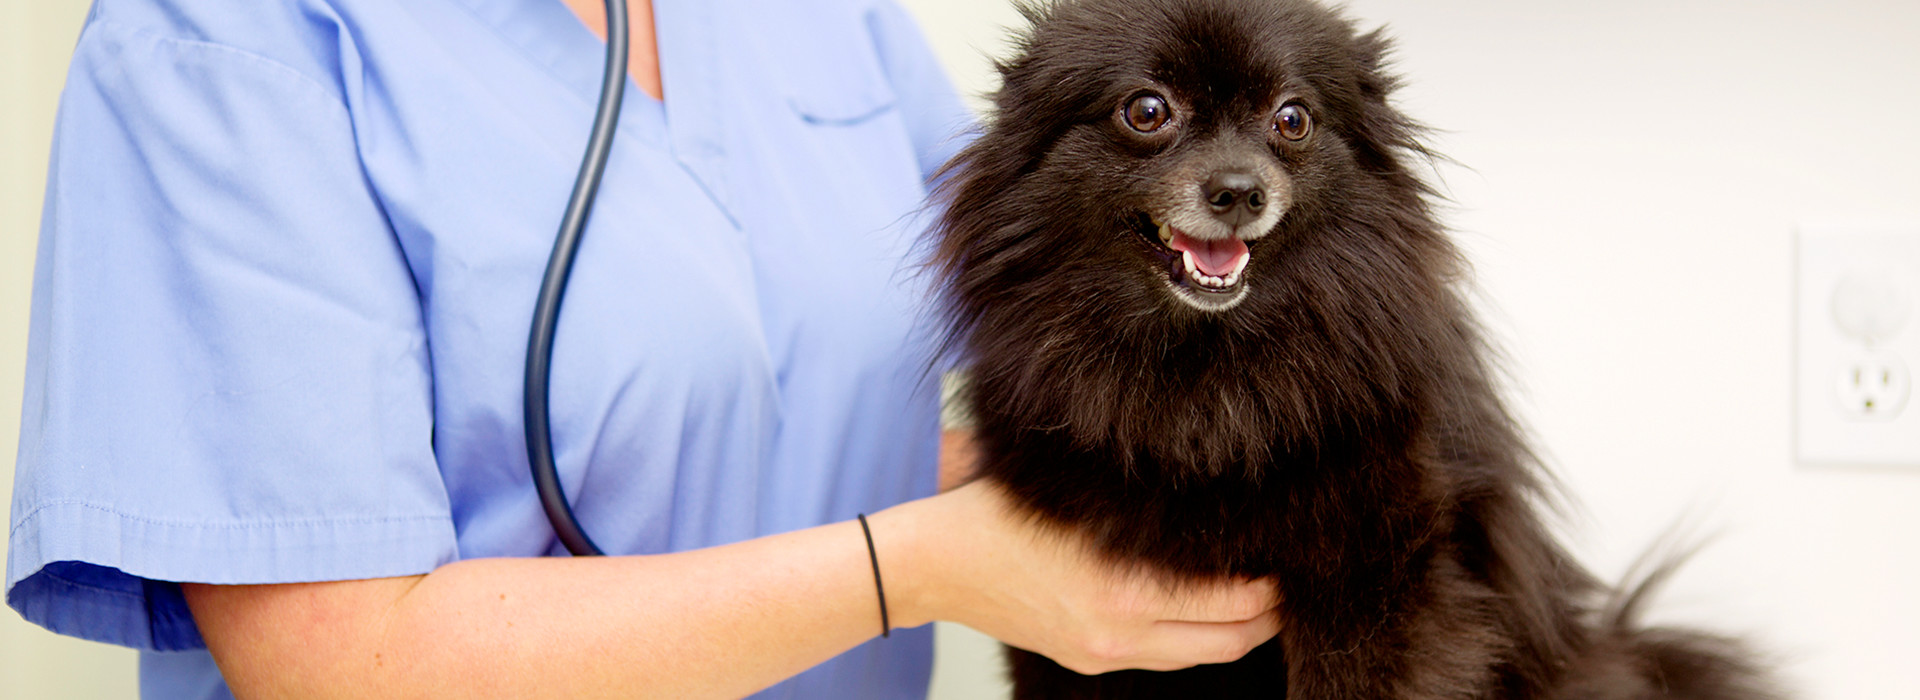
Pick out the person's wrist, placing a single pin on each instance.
(916, 543)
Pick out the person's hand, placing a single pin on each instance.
(969, 556)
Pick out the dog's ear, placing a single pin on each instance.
(1371, 51)
(1385, 135)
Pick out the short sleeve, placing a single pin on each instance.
(939, 124)
(228, 378)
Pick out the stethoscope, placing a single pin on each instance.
(546, 311)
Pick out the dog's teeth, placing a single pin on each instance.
(1239, 267)
(1187, 258)
(1166, 234)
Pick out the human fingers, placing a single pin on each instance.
(1183, 644)
(1173, 645)
(1220, 600)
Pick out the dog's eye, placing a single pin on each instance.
(1293, 122)
(1147, 113)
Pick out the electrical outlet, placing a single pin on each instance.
(1855, 343)
(1872, 386)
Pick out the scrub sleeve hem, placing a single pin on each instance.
(92, 572)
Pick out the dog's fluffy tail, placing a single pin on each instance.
(1627, 661)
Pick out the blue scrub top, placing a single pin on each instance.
(289, 256)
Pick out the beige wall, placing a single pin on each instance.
(1632, 172)
(36, 38)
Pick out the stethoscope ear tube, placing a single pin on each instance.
(546, 312)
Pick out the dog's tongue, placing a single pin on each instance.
(1216, 258)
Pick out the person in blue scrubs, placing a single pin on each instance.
(289, 253)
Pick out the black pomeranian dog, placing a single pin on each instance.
(1213, 325)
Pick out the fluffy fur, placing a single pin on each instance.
(1331, 424)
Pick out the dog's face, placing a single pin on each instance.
(1189, 227)
(1209, 140)
(1209, 194)
(1202, 127)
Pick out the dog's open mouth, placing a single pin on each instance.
(1207, 274)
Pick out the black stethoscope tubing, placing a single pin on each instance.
(546, 312)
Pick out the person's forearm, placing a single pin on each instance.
(725, 621)
(718, 622)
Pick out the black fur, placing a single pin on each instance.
(1337, 430)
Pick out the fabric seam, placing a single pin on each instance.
(344, 114)
(90, 588)
(22, 522)
(521, 53)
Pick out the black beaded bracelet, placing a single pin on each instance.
(886, 627)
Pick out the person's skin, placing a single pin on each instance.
(720, 622)
(643, 51)
(723, 621)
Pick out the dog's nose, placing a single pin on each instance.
(1235, 197)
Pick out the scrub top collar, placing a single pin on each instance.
(692, 122)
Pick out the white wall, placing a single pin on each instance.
(1629, 176)
(1630, 172)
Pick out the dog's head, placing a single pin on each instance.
(1172, 197)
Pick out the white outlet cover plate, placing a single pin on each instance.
(1826, 256)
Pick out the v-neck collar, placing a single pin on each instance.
(691, 123)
